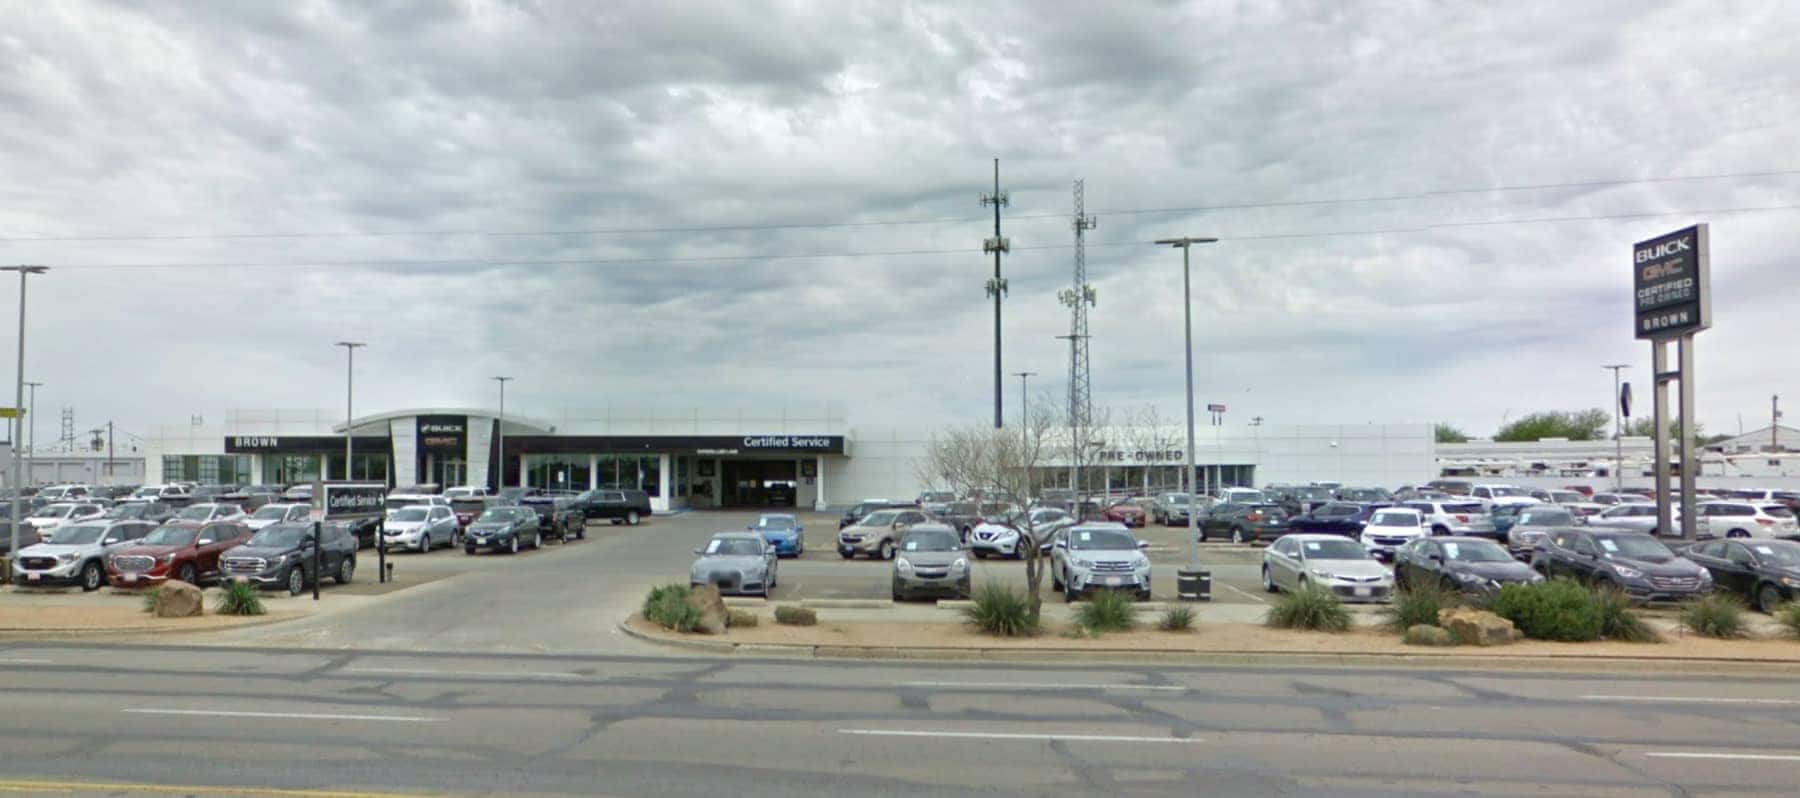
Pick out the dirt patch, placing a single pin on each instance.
(1223, 638)
(78, 619)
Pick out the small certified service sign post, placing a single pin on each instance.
(1672, 274)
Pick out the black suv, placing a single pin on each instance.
(281, 555)
(617, 506)
(1244, 523)
(1633, 562)
(559, 517)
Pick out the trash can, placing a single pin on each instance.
(1193, 584)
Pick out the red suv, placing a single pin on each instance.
(183, 550)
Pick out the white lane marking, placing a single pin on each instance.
(24, 662)
(1045, 686)
(1098, 738)
(1750, 757)
(219, 713)
(431, 672)
(1250, 596)
(1691, 700)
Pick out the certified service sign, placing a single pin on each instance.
(1672, 275)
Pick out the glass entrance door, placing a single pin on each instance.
(450, 473)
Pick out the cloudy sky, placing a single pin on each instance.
(1426, 208)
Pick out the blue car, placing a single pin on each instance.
(782, 532)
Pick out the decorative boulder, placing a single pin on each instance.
(1472, 627)
(713, 615)
(178, 600)
(1428, 635)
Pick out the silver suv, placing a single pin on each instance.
(78, 557)
(1099, 556)
(1465, 517)
(930, 562)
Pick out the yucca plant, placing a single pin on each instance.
(1309, 608)
(240, 598)
(1176, 619)
(1001, 611)
(1716, 615)
(1106, 611)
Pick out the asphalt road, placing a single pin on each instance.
(129, 720)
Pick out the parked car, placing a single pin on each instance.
(934, 501)
(1129, 513)
(78, 557)
(401, 499)
(512, 495)
(858, 510)
(281, 555)
(421, 527)
(1003, 538)
(1244, 523)
(1533, 525)
(1765, 573)
(930, 562)
(63, 493)
(1171, 509)
(208, 512)
(735, 562)
(1504, 516)
(1470, 566)
(1635, 517)
(1637, 564)
(1389, 528)
(28, 535)
(878, 533)
(1240, 496)
(618, 506)
(169, 494)
(1611, 499)
(1302, 499)
(466, 492)
(503, 528)
(958, 515)
(1365, 495)
(1726, 519)
(782, 531)
(1455, 517)
(46, 519)
(1099, 556)
(1343, 519)
(141, 510)
(1490, 495)
(1327, 561)
(559, 517)
(1566, 497)
(270, 514)
(300, 494)
(184, 550)
(468, 508)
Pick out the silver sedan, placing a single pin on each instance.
(1333, 563)
(735, 562)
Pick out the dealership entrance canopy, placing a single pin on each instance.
(680, 461)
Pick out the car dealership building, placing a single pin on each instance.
(805, 457)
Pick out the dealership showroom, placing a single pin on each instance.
(807, 457)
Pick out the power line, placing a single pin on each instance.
(725, 228)
(498, 262)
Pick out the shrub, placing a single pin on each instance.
(1002, 611)
(152, 599)
(667, 606)
(240, 598)
(736, 619)
(1618, 621)
(1417, 606)
(1176, 619)
(796, 616)
(1555, 610)
(1717, 615)
(1309, 608)
(1788, 615)
(1427, 635)
(1106, 611)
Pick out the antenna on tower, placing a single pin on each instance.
(67, 441)
(1079, 297)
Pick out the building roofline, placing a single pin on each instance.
(533, 424)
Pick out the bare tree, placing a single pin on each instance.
(980, 460)
(1148, 432)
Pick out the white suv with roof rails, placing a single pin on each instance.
(1459, 517)
(1727, 519)
(1389, 528)
(1491, 495)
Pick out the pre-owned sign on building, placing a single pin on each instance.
(1672, 275)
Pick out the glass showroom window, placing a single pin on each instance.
(650, 474)
(557, 471)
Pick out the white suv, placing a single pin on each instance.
(1491, 495)
(1468, 517)
(1099, 556)
(1744, 520)
(1389, 528)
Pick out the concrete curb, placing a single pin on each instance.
(250, 622)
(1063, 656)
(847, 604)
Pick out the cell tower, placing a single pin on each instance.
(1079, 297)
(996, 287)
(67, 441)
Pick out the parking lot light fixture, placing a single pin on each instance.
(1187, 309)
(350, 348)
(18, 424)
(500, 479)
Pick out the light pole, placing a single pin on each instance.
(19, 394)
(1187, 310)
(31, 418)
(1025, 413)
(1618, 430)
(500, 481)
(350, 348)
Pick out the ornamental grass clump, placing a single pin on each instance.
(1716, 615)
(1417, 606)
(1001, 611)
(1309, 608)
(240, 598)
(667, 606)
(1106, 611)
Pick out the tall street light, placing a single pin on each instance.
(350, 348)
(1187, 337)
(500, 481)
(19, 400)
(1618, 429)
(1024, 385)
(31, 419)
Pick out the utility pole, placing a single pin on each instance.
(1075, 423)
(19, 399)
(1078, 298)
(1618, 401)
(1024, 398)
(31, 418)
(1187, 304)
(67, 441)
(109, 449)
(1775, 422)
(500, 481)
(996, 287)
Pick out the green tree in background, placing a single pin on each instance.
(1449, 434)
(1579, 425)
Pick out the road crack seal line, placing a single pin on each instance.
(1589, 749)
